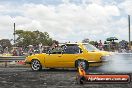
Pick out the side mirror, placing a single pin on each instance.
(49, 52)
(30, 54)
(62, 52)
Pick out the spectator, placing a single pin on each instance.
(96, 44)
(100, 45)
(31, 50)
(20, 50)
(105, 45)
(54, 45)
(15, 52)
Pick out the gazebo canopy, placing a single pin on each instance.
(111, 39)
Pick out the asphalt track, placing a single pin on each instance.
(23, 77)
(48, 78)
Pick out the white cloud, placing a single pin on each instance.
(70, 22)
(92, 1)
(65, 1)
(5, 26)
(126, 6)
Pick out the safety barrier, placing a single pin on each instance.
(18, 59)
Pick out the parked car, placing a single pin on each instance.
(69, 55)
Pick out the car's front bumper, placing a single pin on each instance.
(27, 61)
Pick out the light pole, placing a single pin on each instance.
(129, 31)
(14, 33)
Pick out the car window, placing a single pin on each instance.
(56, 51)
(72, 50)
(90, 47)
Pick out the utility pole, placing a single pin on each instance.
(14, 33)
(129, 31)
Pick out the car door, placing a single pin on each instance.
(68, 57)
(52, 59)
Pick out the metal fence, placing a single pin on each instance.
(6, 59)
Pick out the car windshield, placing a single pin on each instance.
(90, 47)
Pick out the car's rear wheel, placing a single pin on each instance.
(83, 64)
(36, 65)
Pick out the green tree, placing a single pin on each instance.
(92, 42)
(86, 40)
(26, 38)
(5, 43)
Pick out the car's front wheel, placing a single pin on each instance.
(36, 65)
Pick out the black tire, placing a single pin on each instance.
(52, 68)
(85, 64)
(36, 65)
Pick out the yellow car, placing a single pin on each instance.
(69, 55)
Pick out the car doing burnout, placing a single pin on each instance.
(69, 55)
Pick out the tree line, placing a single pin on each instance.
(26, 38)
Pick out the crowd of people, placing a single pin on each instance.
(21, 51)
(107, 46)
(122, 46)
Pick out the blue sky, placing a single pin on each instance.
(20, 2)
(67, 20)
(52, 2)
